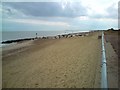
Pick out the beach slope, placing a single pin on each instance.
(54, 63)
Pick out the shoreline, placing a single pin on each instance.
(68, 35)
(58, 36)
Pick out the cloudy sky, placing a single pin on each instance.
(60, 15)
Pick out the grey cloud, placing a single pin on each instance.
(48, 9)
(112, 12)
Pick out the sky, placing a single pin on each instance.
(55, 15)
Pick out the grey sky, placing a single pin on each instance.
(68, 15)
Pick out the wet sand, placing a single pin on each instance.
(56, 63)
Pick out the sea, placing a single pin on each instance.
(13, 35)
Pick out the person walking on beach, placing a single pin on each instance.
(36, 35)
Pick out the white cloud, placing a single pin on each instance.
(98, 9)
(103, 19)
(83, 18)
(38, 22)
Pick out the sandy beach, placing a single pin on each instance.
(57, 63)
(54, 63)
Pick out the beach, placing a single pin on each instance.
(54, 63)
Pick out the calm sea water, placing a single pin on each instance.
(11, 35)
